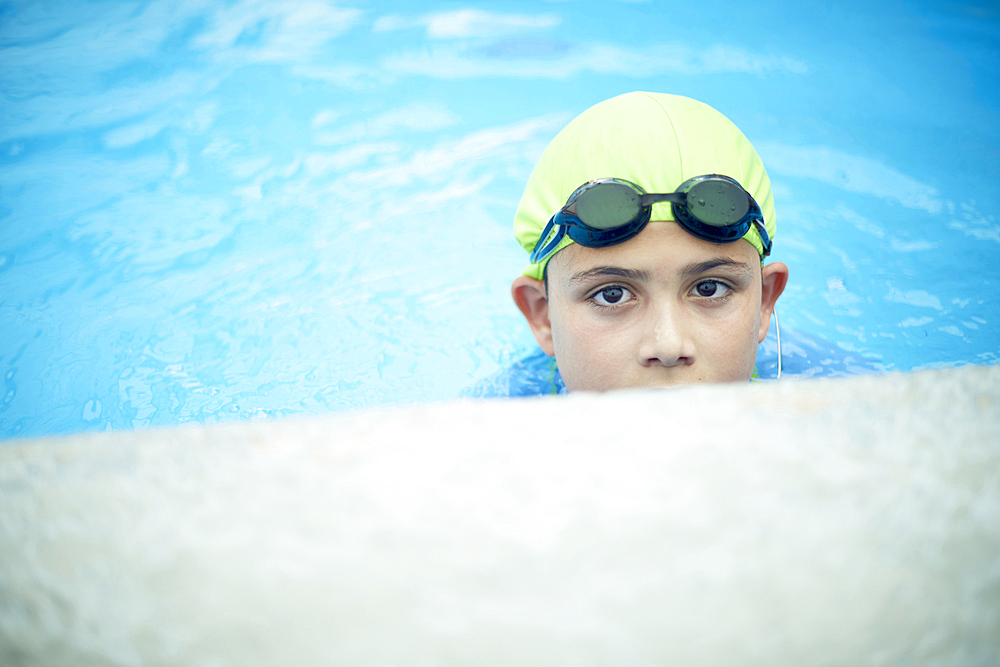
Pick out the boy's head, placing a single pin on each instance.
(663, 307)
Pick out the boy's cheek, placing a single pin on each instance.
(730, 347)
(585, 356)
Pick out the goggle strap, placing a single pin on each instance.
(542, 251)
(765, 240)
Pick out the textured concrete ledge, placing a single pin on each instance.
(819, 522)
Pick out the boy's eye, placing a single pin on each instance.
(711, 288)
(612, 295)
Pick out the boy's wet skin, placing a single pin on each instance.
(660, 309)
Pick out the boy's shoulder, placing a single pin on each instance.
(803, 355)
(533, 375)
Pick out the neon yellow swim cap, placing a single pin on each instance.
(655, 140)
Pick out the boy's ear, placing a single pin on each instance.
(529, 295)
(775, 277)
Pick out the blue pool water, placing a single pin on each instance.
(247, 209)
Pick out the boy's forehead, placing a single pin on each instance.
(661, 248)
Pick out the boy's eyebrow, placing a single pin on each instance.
(604, 271)
(692, 270)
(689, 271)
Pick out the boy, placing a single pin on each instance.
(648, 218)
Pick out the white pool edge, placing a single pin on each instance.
(855, 519)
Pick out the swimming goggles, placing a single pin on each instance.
(608, 211)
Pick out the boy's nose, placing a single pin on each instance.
(665, 342)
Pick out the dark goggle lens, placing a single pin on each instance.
(717, 203)
(607, 205)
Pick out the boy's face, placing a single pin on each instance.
(661, 309)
